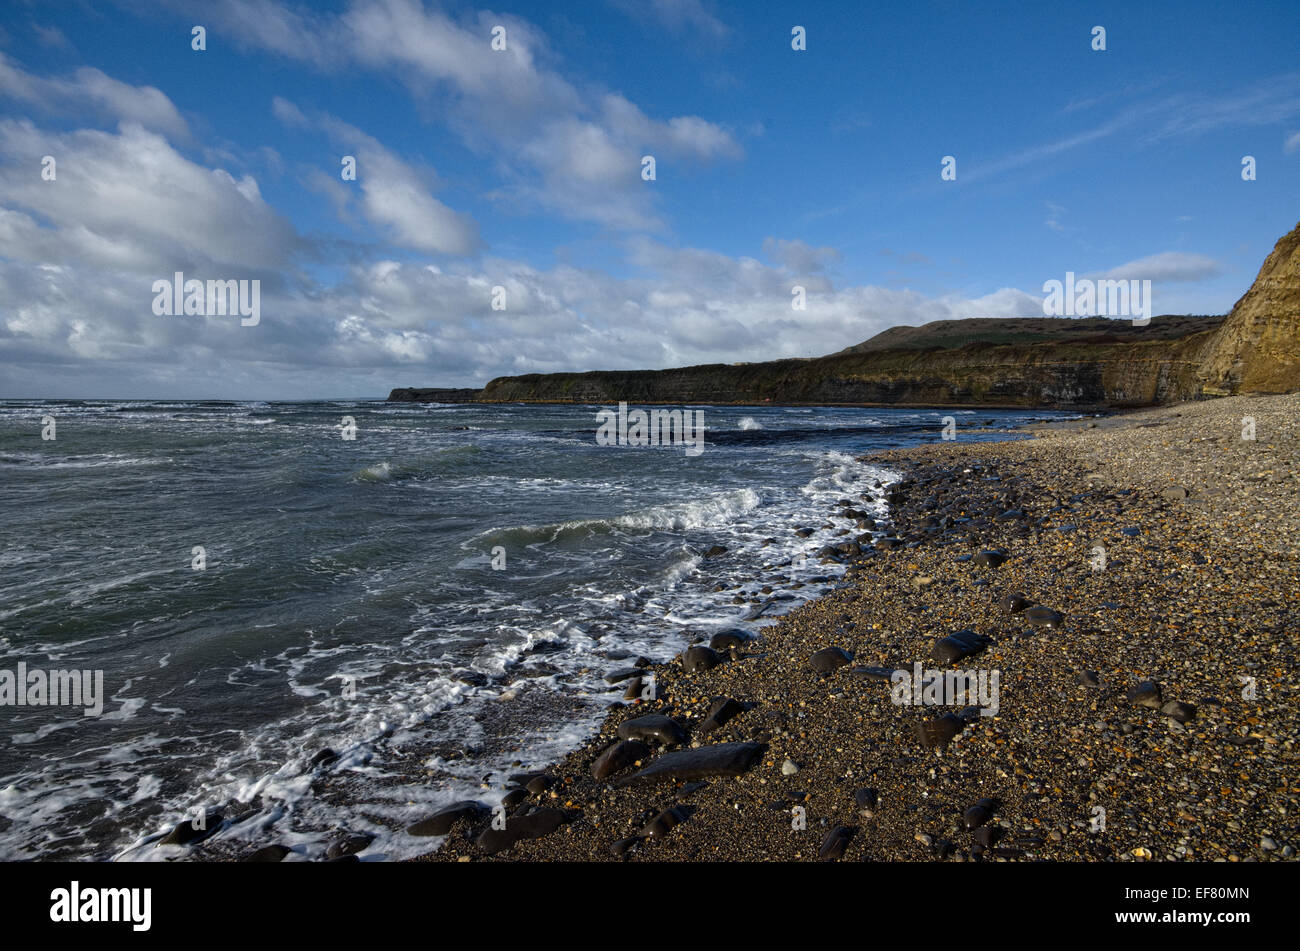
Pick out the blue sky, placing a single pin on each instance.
(521, 168)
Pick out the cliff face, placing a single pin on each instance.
(1257, 349)
(1096, 372)
(1062, 362)
(1079, 363)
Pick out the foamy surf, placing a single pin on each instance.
(429, 603)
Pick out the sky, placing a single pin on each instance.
(501, 219)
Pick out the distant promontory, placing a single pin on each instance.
(1076, 363)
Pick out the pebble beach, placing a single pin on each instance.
(1133, 583)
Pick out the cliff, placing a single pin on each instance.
(1077, 363)
(1257, 348)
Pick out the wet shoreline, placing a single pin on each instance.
(1144, 710)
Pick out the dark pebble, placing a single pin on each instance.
(654, 726)
(938, 732)
(622, 674)
(349, 845)
(534, 825)
(978, 814)
(836, 841)
(185, 833)
(1044, 617)
(440, 822)
(618, 757)
(722, 759)
(726, 640)
(829, 659)
(956, 646)
(666, 821)
(1014, 603)
(722, 710)
(1182, 712)
(1146, 694)
(700, 658)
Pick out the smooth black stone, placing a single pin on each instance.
(1088, 678)
(440, 822)
(322, 757)
(1182, 712)
(725, 640)
(829, 659)
(523, 779)
(938, 732)
(978, 814)
(1044, 617)
(617, 757)
(267, 853)
(990, 558)
(715, 551)
(866, 798)
(700, 658)
(349, 845)
(956, 646)
(666, 821)
(1146, 694)
(622, 845)
(1014, 603)
(836, 841)
(722, 759)
(185, 833)
(622, 674)
(988, 835)
(723, 709)
(534, 825)
(514, 797)
(539, 784)
(654, 726)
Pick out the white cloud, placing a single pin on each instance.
(143, 105)
(129, 200)
(1292, 143)
(563, 149)
(1166, 266)
(395, 196)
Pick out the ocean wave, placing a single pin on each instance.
(719, 509)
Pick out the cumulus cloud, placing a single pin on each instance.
(564, 149)
(142, 105)
(395, 196)
(129, 200)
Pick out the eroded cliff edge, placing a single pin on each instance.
(1088, 363)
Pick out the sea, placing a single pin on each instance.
(329, 617)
